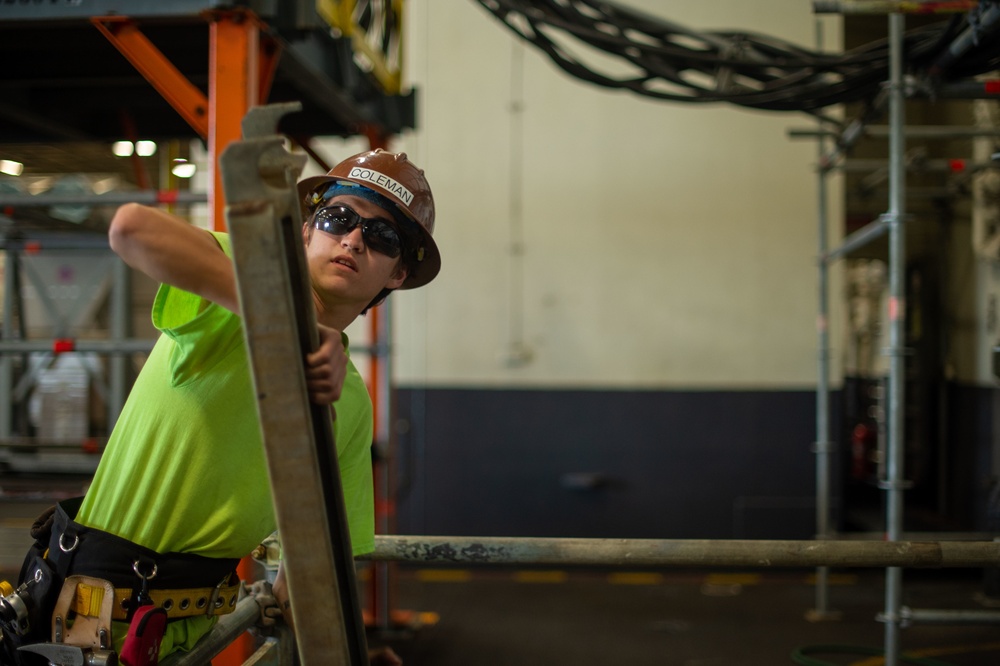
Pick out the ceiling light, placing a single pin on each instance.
(105, 185)
(122, 148)
(11, 168)
(183, 168)
(145, 148)
(40, 185)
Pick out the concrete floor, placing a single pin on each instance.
(501, 617)
(679, 618)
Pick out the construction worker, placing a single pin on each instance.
(182, 492)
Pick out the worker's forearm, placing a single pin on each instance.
(173, 252)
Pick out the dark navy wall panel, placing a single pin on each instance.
(642, 464)
(968, 461)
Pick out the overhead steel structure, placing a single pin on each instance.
(101, 70)
(192, 69)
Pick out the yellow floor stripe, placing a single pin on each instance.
(618, 578)
(635, 578)
(732, 579)
(428, 618)
(835, 579)
(540, 576)
(934, 652)
(444, 575)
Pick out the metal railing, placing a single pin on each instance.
(630, 553)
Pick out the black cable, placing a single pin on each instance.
(673, 63)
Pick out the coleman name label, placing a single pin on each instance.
(383, 181)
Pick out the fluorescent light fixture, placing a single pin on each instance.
(122, 148)
(183, 168)
(105, 185)
(40, 185)
(11, 168)
(145, 148)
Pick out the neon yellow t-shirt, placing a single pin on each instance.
(184, 469)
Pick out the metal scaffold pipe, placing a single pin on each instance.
(947, 616)
(149, 197)
(859, 239)
(114, 347)
(824, 447)
(893, 6)
(684, 553)
(894, 483)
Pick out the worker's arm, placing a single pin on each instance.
(171, 251)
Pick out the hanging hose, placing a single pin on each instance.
(799, 655)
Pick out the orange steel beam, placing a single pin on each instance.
(233, 78)
(381, 583)
(242, 65)
(183, 95)
(233, 87)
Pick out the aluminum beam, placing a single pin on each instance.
(84, 9)
(684, 553)
(262, 212)
(148, 197)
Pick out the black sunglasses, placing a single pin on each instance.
(379, 234)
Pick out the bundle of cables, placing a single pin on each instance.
(659, 59)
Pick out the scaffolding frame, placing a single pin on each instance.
(118, 346)
(892, 222)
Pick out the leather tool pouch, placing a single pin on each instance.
(82, 616)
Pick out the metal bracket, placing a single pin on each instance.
(263, 217)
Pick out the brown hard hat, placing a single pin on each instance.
(396, 178)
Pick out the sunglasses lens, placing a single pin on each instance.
(334, 221)
(382, 237)
(377, 234)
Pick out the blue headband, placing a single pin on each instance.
(347, 188)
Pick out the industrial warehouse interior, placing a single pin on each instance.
(708, 376)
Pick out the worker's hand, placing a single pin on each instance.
(326, 367)
(280, 590)
(269, 610)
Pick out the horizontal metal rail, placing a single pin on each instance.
(892, 6)
(149, 197)
(685, 553)
(64, 345)
(85, 444)
(958, 165)
(911, 131)
(947, 616)
(642, 553)
(53, 241)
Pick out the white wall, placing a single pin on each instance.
(657, 245)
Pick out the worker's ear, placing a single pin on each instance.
(398, 278)
(306, 233)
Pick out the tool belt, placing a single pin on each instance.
(74, 571)
(183, 584)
